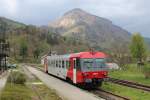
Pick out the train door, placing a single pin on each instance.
(74, 71)
(46, 65)
(61, 68)
(63, 71)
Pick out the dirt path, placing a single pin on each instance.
(3, 79)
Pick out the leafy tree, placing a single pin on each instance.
(23, 48)
(52, 38)
(120, 53)
(137, 47)
(36, 53)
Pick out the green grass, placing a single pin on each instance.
(15, 88)
(46, 93)
(132, 73)
(16, 92)
(131, 93)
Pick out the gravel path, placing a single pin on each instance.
(3, 80)
(65, 90)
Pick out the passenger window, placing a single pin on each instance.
(67, 64)
(56, 63)
(52, 63)
(62, 64)
(49, 63)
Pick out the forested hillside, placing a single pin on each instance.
(28, 42)
(76, 31)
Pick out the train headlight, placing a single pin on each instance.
(105, 73)
(85, 74)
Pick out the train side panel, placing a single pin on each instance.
(63, 66)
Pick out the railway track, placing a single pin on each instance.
(108, 95)
(111, 96)
(101, 93)
(129, 84)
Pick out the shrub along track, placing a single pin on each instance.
(129, 84)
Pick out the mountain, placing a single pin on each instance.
(76, 31)
(95, 30)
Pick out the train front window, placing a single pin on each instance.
(93, 64)
(100, 63)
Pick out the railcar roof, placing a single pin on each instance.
(89, 55)
(83, 55)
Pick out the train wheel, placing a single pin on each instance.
(69, 80)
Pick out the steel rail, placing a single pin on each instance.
(108, 95)
(129, 84)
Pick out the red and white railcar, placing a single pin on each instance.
(79, 68)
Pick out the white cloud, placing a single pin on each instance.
(112, 8)
(9, 6)
(129, 14)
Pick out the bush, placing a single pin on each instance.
(146, 70)
(15, 96)
(16, 78)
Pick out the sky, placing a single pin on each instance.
(132, 15)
